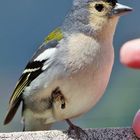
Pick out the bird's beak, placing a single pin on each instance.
(120, 10)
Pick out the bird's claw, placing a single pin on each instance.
(80, 133)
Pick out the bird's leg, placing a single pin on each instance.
(77, 130)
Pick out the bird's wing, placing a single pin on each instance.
(33, 69)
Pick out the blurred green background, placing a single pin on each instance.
(23, 26)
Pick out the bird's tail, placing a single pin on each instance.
(11, 112)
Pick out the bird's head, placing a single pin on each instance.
(102, 12)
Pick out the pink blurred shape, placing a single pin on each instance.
(136, 124)
(130, 54)
(130, 57)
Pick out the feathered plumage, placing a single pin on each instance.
(33, 69)
(70, 71)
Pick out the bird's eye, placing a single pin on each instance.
(99, 7)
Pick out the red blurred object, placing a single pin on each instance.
(136, 124)
(130, 57)
(130, 54)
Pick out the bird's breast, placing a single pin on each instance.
(83, 89)
(80, 85)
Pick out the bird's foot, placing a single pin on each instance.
(80, 133)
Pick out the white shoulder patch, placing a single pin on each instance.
(46, 65)
(45, 55)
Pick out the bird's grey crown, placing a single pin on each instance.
(82, 2)
(78, 20)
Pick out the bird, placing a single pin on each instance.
(69, 72)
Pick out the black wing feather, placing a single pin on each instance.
(27, 78)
